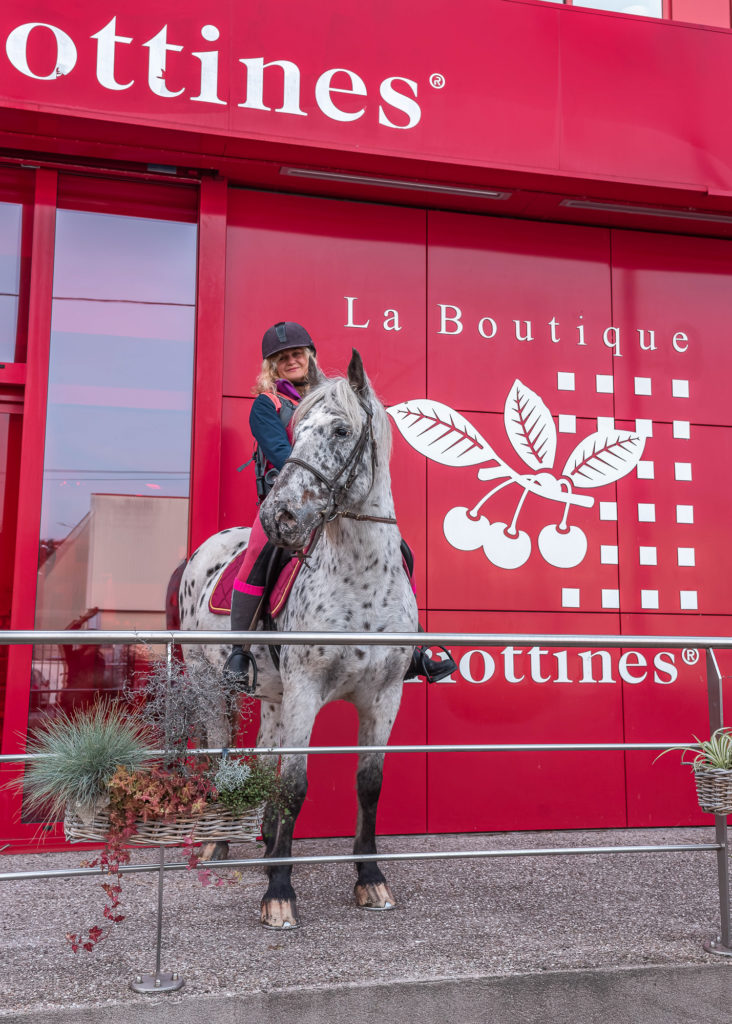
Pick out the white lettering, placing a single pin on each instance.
(679, 336)
(255, 85)
(535, 654)
(16, 47)
(456, 319)
(629, 660)
(209, 69)
(494, 328)
(561, 676)
(350, 299)
(323, 89)
(529, 336)
(401, 102)
(391, 323)
(157, 63)
(581, 332)
(508, 664)
(107, 40)
(615, 344)
(664, 662)
(553, 327)
(466, 667)
(651, 346)
(587, 674)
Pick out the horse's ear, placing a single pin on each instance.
(315, 374)
(356, 373)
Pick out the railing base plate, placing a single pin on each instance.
(717, 947)
(164, 981)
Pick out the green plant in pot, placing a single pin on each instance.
(711, 762)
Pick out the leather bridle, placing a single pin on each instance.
(338, 492)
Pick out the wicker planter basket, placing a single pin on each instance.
(215, 824)
(714, 789)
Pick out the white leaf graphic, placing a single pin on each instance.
(604, 457)
(439, 433)
(530, 427)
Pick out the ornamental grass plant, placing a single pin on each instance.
(77, 755)
(714, 753)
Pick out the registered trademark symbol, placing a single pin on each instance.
(437, 81)
(690, 655)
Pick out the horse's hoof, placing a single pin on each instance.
(374, 896)
(279, 914)
(214, 851)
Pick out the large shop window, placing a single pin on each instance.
(11, 215)
(118, 440)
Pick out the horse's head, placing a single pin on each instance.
(339, 460)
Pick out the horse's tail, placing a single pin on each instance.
(172, 601)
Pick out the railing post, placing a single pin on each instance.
(721, 943)
(160, 981)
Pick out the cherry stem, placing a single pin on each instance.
(511, 531)
(563, 528)
(473, 513)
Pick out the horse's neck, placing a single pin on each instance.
(366, 535)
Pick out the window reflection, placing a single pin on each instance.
(647, 8)
(114, 518)
(10, 227)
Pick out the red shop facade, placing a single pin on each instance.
(521, 217)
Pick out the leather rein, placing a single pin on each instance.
(337, 493)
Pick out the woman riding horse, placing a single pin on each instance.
(289, 371)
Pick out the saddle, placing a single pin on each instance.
(282, 571)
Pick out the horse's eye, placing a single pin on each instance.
(341, 431)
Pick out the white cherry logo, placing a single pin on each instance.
(445, 436)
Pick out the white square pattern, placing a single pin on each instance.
(604, 383)
(684, 513)
(645, 471)
(682, 430)
(686, 556)
(567, 424)
(649, 599)
(605, 423)
(609, 554)
(646, 512)
(680, 388)
(642, 385)
(565, 381)
(682, 470)
(570, 597)
(611, 599)
(608, 510)
(648, 556)
(644, 428)
(689, 600)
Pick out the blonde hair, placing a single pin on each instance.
(268, 376)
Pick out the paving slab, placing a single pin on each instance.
(573, 935)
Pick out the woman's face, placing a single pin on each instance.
(292, 364)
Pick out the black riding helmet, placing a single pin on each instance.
(286, 334)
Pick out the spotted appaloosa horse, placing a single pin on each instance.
(353, 581)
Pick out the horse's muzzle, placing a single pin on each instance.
(285, 527)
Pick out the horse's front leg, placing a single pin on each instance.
(375, 722)
(279, 905)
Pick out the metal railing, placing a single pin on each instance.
(163, 981)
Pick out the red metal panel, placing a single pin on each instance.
(674, 550)
(209, 361)
(301, 259)
(507, 279)
(677, 288)
(667, 701)
(511, 695)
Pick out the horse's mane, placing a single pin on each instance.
(340, 391)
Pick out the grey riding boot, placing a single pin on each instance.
(244, 609)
